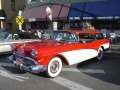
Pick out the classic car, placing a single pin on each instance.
(6, 40)
(69, 47)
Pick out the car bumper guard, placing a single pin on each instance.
(33, 68)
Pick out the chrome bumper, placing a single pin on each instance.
(35, 68)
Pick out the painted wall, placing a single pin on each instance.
(10, 23)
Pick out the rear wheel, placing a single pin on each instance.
(54, 67)
(100, 54)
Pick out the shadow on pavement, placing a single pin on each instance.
(110, 64)
(12, 68)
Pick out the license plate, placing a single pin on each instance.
(19, 61)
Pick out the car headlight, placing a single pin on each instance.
(33, 52)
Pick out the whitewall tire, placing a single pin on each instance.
(100, 54)
(54, 67)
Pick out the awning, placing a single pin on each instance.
(2, 14)
(59, 12)
(35, 14)
(64, 12)
(107, 9)
(55, 12)
(76, 11)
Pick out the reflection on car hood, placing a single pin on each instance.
(45, 43)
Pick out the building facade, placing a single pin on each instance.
(36, 18)
(2, 16)
(103, 14)
(11, 9)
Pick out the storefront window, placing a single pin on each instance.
(39, 25)
(76, 24)
(12, 5)
(107, 24)
(60, 25)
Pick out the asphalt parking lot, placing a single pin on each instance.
(89, 75)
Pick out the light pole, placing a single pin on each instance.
(49, 14)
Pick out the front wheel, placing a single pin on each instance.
(54, 67)
(100, 54)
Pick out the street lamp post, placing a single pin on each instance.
(49, 14)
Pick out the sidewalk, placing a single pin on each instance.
(115, 47)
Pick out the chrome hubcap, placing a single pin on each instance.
(54, 67)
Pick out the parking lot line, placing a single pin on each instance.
(69, 84)
(15, 77)
(84, 70)
(7, 64)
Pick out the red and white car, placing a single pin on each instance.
(70, 47)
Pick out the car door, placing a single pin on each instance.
(77, 52)
(1, 47)
(95, 45)
(83, 52)
(84, 46)
(7, 43)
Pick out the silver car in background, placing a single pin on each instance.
(7, 39)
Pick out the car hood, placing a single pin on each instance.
(41, 46)
(44, 43)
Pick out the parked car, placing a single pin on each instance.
(2, 30)
(70, 47)
(6, 40)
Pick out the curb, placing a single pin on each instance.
(115, 47)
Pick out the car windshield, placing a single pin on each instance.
(62, 36)
(3, 35)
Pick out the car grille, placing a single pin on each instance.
(20, 50)
(26, 60)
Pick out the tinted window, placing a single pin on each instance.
(27, 36)
(62, 36)
(12, 5)
(99, 36)
(86, 36)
